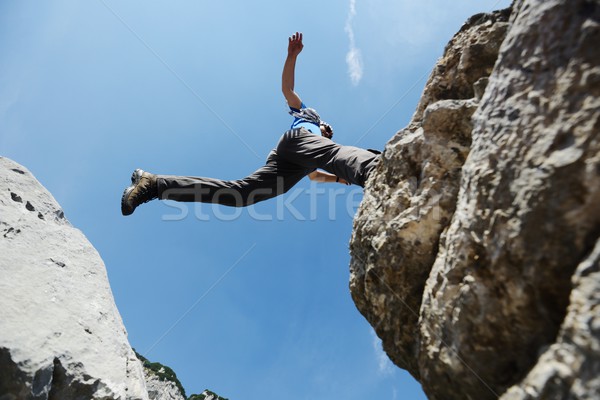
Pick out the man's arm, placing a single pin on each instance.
(319, 176)
(287, 77)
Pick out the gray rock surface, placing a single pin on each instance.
(61, 335)
(412, 195)
(478, 267)
(570, 368)
(159, 389)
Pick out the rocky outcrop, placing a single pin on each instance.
(473, 252)
(61, 334)
(159, 389)
(161, 381)
(411, 197)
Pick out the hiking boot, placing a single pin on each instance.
(143, 189)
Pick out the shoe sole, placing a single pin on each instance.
(135, 179)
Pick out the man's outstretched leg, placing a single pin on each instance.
(276, 177)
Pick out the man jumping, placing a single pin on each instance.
(300, 151)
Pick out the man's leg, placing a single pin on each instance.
(308, 150)
(273, 179)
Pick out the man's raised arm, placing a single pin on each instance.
(287, 77)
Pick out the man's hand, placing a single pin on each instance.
(295, 45)
(319, 176)
(287, 77)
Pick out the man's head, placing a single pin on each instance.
(326, 130)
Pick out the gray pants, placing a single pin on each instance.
(298, 153)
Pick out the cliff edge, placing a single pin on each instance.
(475, 251)
(61, 333)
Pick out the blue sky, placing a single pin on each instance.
(251, 303)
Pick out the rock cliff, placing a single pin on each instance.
(475, 251)
(61, 335)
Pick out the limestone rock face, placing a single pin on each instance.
(570, 368)
(412, 195)
(475, 250)
(61, 335)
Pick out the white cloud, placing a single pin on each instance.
(353, 57)
(385, 365)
